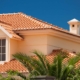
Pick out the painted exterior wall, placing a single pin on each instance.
(44, 43)
(41, 42)
(57, 42)
(31, 43)
(74, 29)
(79, 29)
(13, 47)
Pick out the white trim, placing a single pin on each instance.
(7, 50)
(10, 13)
(5, 32)
(2, 62)
(75, 38)
(73, 20)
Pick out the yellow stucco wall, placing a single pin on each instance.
(43, 43)
(31, 43)
(13, 47)
(57, 42)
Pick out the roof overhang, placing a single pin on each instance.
(6, 32)
(10, 35)
(60, 34)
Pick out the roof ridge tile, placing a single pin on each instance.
(10, 13)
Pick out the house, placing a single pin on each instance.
(22, 33)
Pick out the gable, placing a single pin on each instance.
(7, 30)
(2, 33)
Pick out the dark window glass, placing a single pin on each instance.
(0, 42)
(0, 57)
(3, 49)
(72, 25)
(3, 42)
(3, 57)
(0, 50)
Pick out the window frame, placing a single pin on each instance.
(2, 50)
(6, 50)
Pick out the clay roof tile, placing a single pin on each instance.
(16, 65)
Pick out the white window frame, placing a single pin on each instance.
(6, 50)
(3, 53)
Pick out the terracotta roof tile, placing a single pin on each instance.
(8, 28)
(15, 65)
(55, 52)
(20, 21)
(12, 65)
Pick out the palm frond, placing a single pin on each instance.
(73, 60)
(41, 57)
(24, 59)
(59, 65)
(66, 71)
(41, 65)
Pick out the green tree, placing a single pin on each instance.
(42, 66)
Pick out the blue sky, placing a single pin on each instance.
(56, 12)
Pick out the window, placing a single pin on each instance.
(2, 49)
(72, 25)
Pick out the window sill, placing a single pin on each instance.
(2, 62)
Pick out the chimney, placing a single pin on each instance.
(74, 26)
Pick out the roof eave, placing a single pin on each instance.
(9, 35)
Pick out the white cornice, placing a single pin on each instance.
(59, 34)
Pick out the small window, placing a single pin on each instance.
(2, 49)
(72, 25)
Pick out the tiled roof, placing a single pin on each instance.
(69, 54)
(12, 65)
(8, 28)
(20, 21)
(15, 65)
(55, 52)
(50, 57)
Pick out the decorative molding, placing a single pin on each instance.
(5, 32)
(68, 36)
